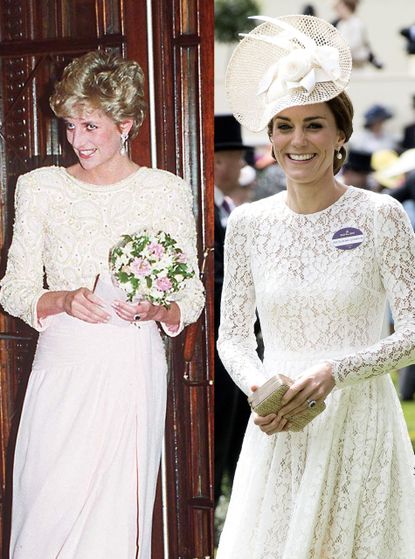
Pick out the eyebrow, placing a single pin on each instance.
(86, 122)
(307, 119)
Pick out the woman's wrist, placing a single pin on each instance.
(329, 366)
(51, 303)
(171, 315)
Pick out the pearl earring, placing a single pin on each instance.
(339, 155)
(123, 143)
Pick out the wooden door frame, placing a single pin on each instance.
(180, 29)
(183, 28)
(183, 31)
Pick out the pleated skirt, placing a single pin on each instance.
(89, 443)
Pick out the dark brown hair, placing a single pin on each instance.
(342, 109)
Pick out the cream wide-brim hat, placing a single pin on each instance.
(382, 160)
(404, 164)
(284, 62)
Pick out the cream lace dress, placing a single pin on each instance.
(90, 436)
(344, 487)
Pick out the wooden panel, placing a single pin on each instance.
(16, 356)
(32, 55)
(184, 79)
(36, 42)
(79, 18)
(134, 26)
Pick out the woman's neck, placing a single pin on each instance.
(312, 198)
(102, 175)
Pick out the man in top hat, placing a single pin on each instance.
(231, 409)
(229, 160)
(357, 169)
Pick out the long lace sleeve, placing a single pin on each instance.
(22, 285)
(237, 343)
(395, 244)
(180, 224)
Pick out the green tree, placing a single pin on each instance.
(231, 18)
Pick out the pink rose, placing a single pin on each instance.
(163, 284)
(140, 267)
(156, 249)
(181, 258)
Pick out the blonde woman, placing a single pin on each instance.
(89, 440)
(317, 263)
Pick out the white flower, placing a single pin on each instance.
(327, 58)
(128, 247)
(127, 287)
(302, 69)
(277, 89)
(294, 66)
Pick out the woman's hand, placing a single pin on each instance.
(315, 384)
(148, 311)
(270, 424)
(80, 303)
(85, 305)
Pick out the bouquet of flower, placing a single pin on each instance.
(149, 266)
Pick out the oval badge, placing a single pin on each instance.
(347, 238)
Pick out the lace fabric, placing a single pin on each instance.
(344, 487)
(67, 227)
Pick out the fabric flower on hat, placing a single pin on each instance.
(271, 84)
(285, 62)
(300, 68)
(327, 58)
(295, 65)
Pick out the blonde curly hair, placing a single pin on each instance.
(101, 81)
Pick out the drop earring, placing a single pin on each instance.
(339, 155)
(123, 143)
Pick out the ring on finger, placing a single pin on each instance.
(311, 403)
(136, 317)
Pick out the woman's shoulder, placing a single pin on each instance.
(374, 201)
(160, 178)
(251, 211)
(41, 179)
(164, 184)
(376, 209)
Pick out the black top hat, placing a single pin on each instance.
(228, 133)
(359, 161)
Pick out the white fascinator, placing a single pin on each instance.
(284, 62)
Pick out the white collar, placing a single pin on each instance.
(219, 196)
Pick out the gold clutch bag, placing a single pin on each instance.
(267, 399)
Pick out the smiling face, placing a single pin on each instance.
(95, 139)
(305, 139)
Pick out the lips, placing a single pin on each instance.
(86, 153)
(301, 156)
